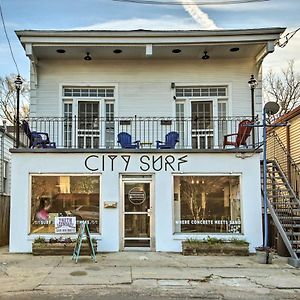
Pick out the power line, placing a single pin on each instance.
(287, 38)
(187, 2)
(7, 38)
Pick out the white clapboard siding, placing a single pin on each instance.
(144, 86)
(6, 144)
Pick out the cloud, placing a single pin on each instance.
(199, 16)
(162, 23)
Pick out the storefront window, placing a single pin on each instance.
(207, 204)
(58, 196)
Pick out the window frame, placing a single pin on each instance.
(5, 179)
(185, 235)
(32, 236)
(188, 100)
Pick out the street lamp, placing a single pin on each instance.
(252, 84)
(18, 84)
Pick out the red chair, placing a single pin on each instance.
(242, 135)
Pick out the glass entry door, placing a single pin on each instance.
(137, 215)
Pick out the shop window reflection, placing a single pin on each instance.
(57, 196)
(207, 204)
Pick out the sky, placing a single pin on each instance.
(109, 14)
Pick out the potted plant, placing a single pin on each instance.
(264, 255)
(59, 246)
(215, 246)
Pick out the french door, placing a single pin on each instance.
(88, 127)
(202, 124)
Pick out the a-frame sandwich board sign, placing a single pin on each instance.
(83, 230)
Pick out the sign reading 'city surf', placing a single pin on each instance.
(146, 163)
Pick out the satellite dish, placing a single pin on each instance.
(271, 108)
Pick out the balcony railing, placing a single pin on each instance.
(101, 133)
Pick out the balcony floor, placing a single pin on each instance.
(120, 150)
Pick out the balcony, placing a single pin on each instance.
(196, 133)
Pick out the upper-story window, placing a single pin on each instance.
(207, 108)
(88, 116)
(5, 188)
(197, 91)
(88, 92)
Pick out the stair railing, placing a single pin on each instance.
(279, 152)
(283, 207)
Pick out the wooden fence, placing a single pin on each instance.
(4, 220)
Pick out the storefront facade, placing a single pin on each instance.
(129, 207)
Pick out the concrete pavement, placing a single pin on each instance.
(132, 275)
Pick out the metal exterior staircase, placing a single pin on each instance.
(284, 207)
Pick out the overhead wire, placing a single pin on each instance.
(7, 38)
(187, 2)
(287, 38)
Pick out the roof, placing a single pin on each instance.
(8, 132)
(288, 116)
(251, 43)
(143, 32)
(197, 35)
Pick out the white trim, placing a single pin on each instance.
(75, 100)
(122, 213)
(101, 38)
(83, 84)
(143, 249)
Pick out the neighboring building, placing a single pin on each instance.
(283, 153)
(89, 86)
(6, 143)
(284, 145)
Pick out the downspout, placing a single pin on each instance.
(288, 147)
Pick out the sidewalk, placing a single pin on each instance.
(165, 275)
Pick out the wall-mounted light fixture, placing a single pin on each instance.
(87, 57)
(205, 56)
(234, 49)
(176, 51)
(172, 85)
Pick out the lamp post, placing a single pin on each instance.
(252, 84)
(18, 84)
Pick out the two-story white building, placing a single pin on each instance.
(93, 90)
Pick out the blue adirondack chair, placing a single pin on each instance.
(170, 141)
(37, 139)
(124, 139)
